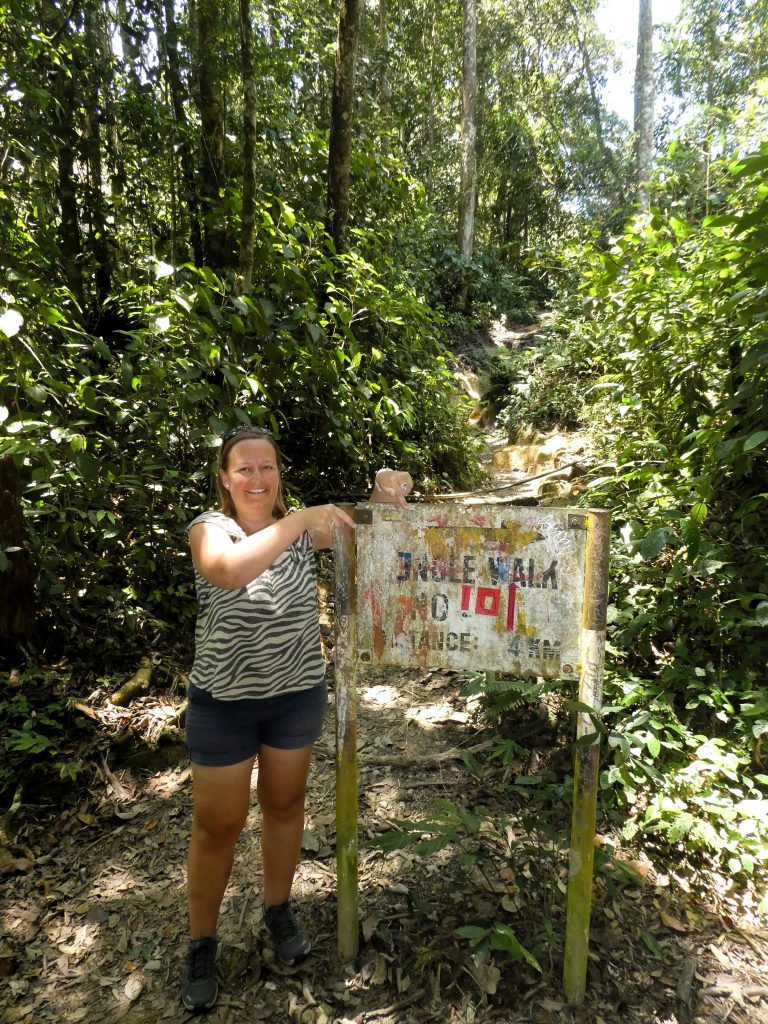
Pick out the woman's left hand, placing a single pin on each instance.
(393, 486)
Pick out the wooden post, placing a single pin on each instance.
(346, 742)
(586, 760)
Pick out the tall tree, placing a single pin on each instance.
(169, 49)
(340, 142)
(211, 104)
(96, 87)
(468, 186)
(70, 235)
(596, 107)
(249, 146)
(644, 104)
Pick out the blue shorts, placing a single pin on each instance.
(226, 732)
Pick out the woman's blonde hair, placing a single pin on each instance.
(228, 442)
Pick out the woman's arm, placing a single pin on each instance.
(389, 487)
(232, 566)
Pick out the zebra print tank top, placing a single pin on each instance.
(264, 639)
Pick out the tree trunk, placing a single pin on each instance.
(170, 50)
(17, 571)
(384, 66)
(340, 143)
(131, 49)
(430, 177)
(712, 25)
(112, 141)
(468, 186)
(644, 101)
(96, 85)
(211, 105)
(249, 147)
(69, 228)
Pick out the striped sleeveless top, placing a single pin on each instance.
(264, 639)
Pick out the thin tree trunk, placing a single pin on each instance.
(170, 50)
(709, 113)
(17, 579)
(131, 50)
(644, 103)
(69, 227)
(429, 185)
(112, 141)
(384, 65)
(249, 147)
(468, 186)
(96, 85)
(340, 143)
(211, 104)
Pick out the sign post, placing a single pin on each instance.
(346, 743)
(587, 757)
(521, 591)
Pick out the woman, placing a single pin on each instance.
(257, 688)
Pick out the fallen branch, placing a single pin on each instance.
(136, 686)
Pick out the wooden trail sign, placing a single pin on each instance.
(496, 588)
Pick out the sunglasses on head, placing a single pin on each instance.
(237, 431)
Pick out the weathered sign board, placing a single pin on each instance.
(494, 588)
(472, 587)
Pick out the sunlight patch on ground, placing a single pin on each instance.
(383, 696)
(429, 716)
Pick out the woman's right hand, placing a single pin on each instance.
(321, 520)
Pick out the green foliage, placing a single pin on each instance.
(663, 350)
(675, 338)
(501, 694)
(680, 785)
(499, 937)
(536, 387)
(36, 734)
(116, 432)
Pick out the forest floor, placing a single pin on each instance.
(93, 905)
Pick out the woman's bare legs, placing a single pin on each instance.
(221, 797)
(281, 789)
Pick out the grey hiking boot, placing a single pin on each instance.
(199, 987)
(292, 943)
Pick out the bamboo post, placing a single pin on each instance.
(586, 758)
(346, 742)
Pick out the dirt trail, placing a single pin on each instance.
(545, 467)
(94, 925)
(94, 918)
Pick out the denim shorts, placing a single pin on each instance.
(226, 732)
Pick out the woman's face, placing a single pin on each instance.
(252, 478)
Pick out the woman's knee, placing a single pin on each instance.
(281, 805)
(217, 829)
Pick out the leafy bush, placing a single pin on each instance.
(678, 315)
(663, 350)
(36, 734)
(116, 432)
(536, 387)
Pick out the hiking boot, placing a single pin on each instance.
(199, 987)
(292, 943)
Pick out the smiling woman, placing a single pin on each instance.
(250, 481)
(257, 688)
